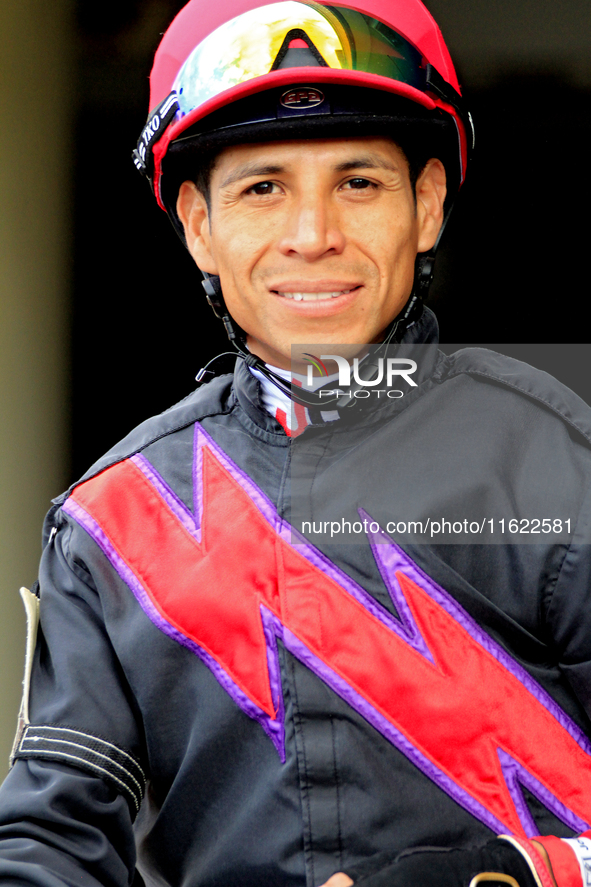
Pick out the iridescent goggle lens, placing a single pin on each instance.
(294, 33)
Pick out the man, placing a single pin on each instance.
(245, 707)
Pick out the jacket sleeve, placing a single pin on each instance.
(67, 806)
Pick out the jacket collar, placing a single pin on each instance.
(247, 389)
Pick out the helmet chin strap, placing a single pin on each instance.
(410, 313)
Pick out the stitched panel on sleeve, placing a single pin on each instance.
(89, 752)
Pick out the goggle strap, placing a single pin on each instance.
(157, 122)
(435, 83)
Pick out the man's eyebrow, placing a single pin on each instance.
(370, 161)
(250, 169)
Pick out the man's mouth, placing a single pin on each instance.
(314, 297)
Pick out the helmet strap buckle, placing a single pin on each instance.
(213, 294)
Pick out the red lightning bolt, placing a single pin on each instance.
(432, 682)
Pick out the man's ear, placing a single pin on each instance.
(191, 208)
(431, 190)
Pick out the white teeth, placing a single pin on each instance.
(312, 297)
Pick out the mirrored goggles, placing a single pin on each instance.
(294, 34)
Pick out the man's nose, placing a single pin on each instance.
(312, 229)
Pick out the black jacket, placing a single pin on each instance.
(286, 709)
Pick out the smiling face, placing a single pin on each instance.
(314, 241)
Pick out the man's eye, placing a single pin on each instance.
(358, 184)
(263, 188)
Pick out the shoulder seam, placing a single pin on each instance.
(132, 452)
(529, 394)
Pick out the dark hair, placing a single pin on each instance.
(204, 174)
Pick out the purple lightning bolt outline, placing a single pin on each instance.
(390, 559)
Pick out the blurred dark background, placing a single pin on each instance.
(511, 266)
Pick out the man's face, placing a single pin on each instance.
(314, 241)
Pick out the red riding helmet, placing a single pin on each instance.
(240, 71)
